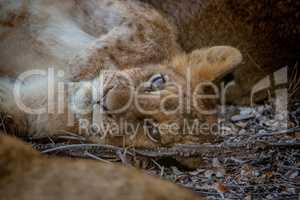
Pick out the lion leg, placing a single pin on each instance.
(24, 107)
(141, 40)
(37, 108)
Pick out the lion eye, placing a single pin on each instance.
(157, 81)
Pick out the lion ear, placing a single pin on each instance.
(212, 64)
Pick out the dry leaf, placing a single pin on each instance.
(220, 187)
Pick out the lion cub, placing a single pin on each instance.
(161, 105)
(26, 175)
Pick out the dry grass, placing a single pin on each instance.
(294, 83)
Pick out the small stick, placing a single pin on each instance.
(96, 157)
(122, 156)
(282, 132)
(82, 147)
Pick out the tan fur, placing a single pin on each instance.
(266, 32)
(214, 63)
(82, 37)
(26, 175)
(137, 39)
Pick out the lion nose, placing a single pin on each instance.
(117, 100)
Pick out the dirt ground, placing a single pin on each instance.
(258, 157)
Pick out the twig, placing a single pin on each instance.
(289, 167)
(49, 138)
(96, 157)
(69, 138)
(122, 156)
(161, 168)
(2, 124)
(291, 144)
(282, 132)
(73, 135)
(82, 147)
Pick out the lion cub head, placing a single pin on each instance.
(162, 105)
